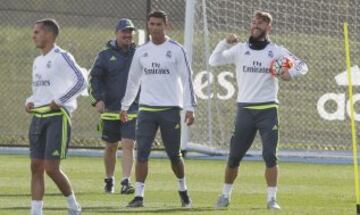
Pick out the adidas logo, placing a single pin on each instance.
(341, 100)
(55, 153)
(177, 126)
(275, 128)
(113, 58)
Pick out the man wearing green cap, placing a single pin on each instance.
(108, 79)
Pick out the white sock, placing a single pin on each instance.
(139, 189)
(36, 207)
(227, 190)
(271, 193)
(182, 184)
(71, 200)
(111, 177)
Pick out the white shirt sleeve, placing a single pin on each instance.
(184, 67)
(224, 53)
(133, 82)
(72, 73)
(30, 98)
(299, 68)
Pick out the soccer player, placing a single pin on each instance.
(108, 78)
(257, 102)
(56, 82)
(161, 68)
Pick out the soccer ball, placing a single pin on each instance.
(278, 64)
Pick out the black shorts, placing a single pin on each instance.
(114, 130)
(49, 136)
(248, 121)
(170, 127)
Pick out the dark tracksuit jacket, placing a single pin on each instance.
(108, 77)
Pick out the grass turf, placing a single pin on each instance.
(304, 188)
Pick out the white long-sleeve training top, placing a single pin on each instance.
(255, 83)
(164, 75)
(56, 77)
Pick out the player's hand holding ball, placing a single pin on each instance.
(285, 74)
(280, 67)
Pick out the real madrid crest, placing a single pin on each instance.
(270, 54)
(168, 54)
(48, 64)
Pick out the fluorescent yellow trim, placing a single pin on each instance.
(132, 116)
(110, 116)
(44, 109)
(116, 116)
(48, 115)
(262, 107)
(151, 109)
(66, 115)
(64, 136)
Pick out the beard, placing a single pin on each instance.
(127, 40)
(262, 35)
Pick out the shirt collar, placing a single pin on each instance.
(258, 45)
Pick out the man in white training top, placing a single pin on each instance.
(257, 102)
(56, 82)
(161, 68)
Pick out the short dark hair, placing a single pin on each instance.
(264, 16)
(158, 14)
(50, 25)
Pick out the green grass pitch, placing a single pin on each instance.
(304, 188)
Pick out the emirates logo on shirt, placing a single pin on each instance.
(156, 69)
(39, 82)
(256, 67)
